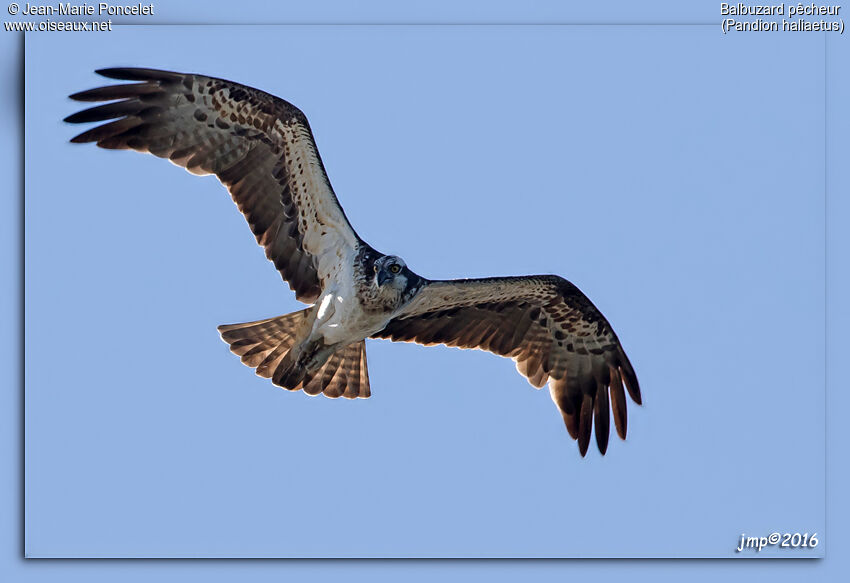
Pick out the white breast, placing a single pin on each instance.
(340, 318)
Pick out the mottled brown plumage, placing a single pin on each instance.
(547, 326)
(261, 148)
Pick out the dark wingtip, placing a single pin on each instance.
(603, 445)
(79, 117)
(138, 74)
(633, 388)
(585, 421)
(630, 380)
(78, 96)
(113, 92)
(128, 73)
(602, 418)
(582, 446)
(105, 134)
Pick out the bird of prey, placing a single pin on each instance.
(262, 150)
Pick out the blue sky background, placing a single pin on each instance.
(679, 183)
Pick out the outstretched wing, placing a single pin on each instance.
(552, 331)
(260, 147)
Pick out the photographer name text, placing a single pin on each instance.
(85, 9)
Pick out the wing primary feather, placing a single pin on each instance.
(584, 424)
(108, 130)
(139, 74)
(111, 111)
(631, 381)
(111, 92)
(618, 403)
(571, 422)
(601, 418)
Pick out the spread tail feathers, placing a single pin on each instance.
(267, 346)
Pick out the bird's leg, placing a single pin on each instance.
(310, 358)
(317, 355)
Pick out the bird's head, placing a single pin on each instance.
(391, 271)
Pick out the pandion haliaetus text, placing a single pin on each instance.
(261, 148)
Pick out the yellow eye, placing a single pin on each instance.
(394, 268)
(376, 269)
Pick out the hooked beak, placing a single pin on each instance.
(382, 277)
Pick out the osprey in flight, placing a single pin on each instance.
(261, 148)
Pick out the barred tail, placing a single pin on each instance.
(267, 346)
